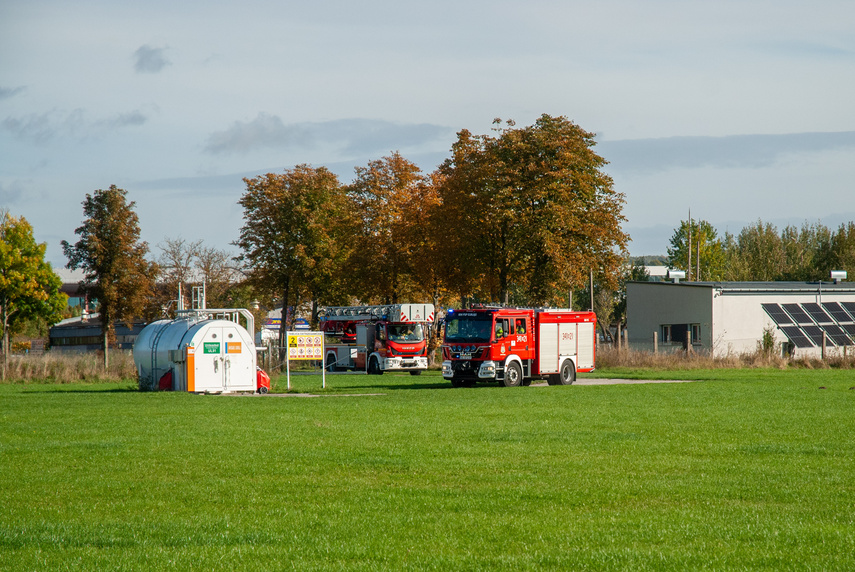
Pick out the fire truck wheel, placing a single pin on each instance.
(331, 363)
(567, 375)
(513, 375)
(374, 367)
(415, 372)
(263, 390)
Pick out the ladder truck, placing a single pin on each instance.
(390, 337)
(514, 346)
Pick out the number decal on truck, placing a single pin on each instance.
(567, 336)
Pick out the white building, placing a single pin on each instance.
(730, 317)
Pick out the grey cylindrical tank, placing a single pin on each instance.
(201, 354)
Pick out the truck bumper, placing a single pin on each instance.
(465, 369)
(405, 363)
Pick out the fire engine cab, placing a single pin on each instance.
(517, 345)
(375, 339)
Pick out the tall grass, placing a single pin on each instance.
(55, 367)
(609, 357)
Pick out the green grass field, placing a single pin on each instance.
(744, 469)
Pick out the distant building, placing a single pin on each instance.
(83, 334)
(723, 318)
(657, 273)
(71, 280)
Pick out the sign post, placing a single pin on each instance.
(306, 346)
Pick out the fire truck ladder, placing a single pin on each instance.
(351, 313)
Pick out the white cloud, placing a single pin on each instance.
(150, 60)
(735, 151)
(9, 92)
(43, 128)
(347, 136)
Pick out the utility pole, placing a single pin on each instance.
(689, 279)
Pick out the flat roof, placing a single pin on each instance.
(763, 286)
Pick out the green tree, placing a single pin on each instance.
(806, 251)
(707, 250)
(842, 251)
(29, 288)
(289, 240)
(756, 253)
(113, 258)
(536, 210)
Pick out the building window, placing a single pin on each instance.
(696, 333)
(666, 333)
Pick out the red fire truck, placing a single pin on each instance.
(375, 339)
(516, 345)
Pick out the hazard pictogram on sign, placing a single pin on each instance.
(305, 345)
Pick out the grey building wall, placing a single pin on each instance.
(730, 315)
(652, 305)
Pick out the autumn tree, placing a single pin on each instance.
(289, 237)
(696, 247)
(113, 258)
(29, 288)
(382, 193)
(536, 209)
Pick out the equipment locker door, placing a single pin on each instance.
(238, 371)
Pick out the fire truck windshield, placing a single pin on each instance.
(468, 327)
(406, 332)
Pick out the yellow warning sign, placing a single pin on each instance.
(305, 345)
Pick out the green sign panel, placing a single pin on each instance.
(211, 347)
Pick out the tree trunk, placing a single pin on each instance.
(433, 340)
(106, 340)
(5, 340)
(283, 322)
(314, 324)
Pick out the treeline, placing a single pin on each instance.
(521, 216)
(762, 252)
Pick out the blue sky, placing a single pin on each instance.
(737, 110)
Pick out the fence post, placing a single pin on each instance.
(689, 342)
(655, 342)
(823, 345)
(617, 338)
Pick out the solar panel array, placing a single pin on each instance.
(804, 324)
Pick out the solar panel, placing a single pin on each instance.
(837, 312)
(777, 314)
(850, 329)
(799, 315)
(815, 334)
(817, 313)
(795, 335)
(837, 334)
(850, 307)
